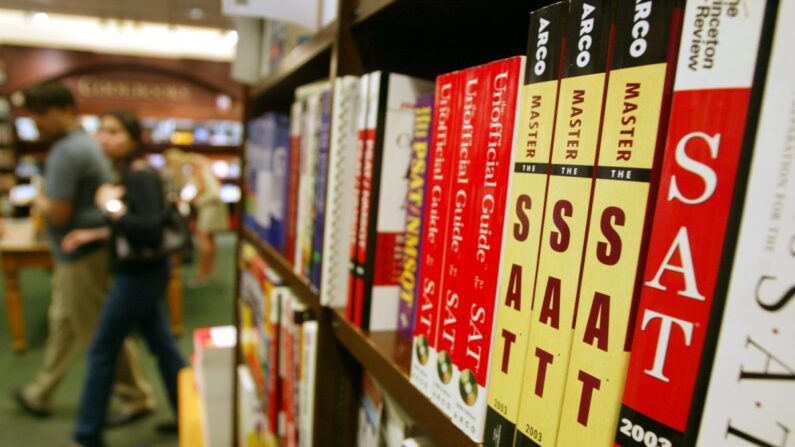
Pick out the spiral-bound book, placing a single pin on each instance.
(340, 206)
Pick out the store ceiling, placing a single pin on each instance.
(182, 12)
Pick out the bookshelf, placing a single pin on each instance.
(418, 38)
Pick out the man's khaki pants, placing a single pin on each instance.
(79, 291)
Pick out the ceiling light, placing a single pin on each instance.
(231, 37)
(40, 19)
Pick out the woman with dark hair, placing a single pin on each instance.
(135, 208)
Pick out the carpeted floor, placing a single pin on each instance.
(210, 305)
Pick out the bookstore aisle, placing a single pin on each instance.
(203, 307)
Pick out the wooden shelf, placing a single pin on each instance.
(198, 148)
(276, 261)
(387, 356)
(369, 8)
(306, 63)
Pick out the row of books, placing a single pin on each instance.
(592, 242)
(642, 205)
(279, 340)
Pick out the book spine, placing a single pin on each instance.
(574, 154)
(434, 233)
(288, 433)
(361, 126)
(264, 189)
(314, 117)
(702, 157)
(359, 241)
(638, 98)
(320, 190)
(309, 366)
(306, 395)
(492, 161)
(250, 179)
(526, 204)
(292, 190)
(341, 188)
(749, 394)
(274, 330)
(374, 103)
(299, 310)
(302, 216)
(281, 182)
(415, 200)
(445, 382)
(389, 186)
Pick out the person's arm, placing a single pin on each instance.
(77, 238)
(57, 212)
(142, 224)
(62, 174)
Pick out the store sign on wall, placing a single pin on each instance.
(93, 87)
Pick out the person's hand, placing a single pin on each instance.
(108, 199)
(75, 239)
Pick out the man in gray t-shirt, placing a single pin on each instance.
(75, 169)
(81, 279)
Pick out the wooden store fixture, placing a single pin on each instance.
(150, 87)
(414, 37)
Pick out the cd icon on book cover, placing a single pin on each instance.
(422, 349)
(468, 387)
(444, 366)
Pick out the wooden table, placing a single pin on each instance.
(19, 248)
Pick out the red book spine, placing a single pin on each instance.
(361, 125)
(440, 173)
(366, 188)
(448, 338)
(482, 246)
(703, 147)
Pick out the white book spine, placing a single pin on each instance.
(402, 93)
(341, 187)
(307, 398)
(750, 394)
(296, 125)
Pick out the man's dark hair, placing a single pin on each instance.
(43, 97)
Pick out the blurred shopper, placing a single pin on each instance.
(135, 207)
(74, 170)
(203, 190)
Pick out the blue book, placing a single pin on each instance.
(280, 183)
(320, 190)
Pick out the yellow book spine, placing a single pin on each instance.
(562, 243)
(520, 258)
(600, 351)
